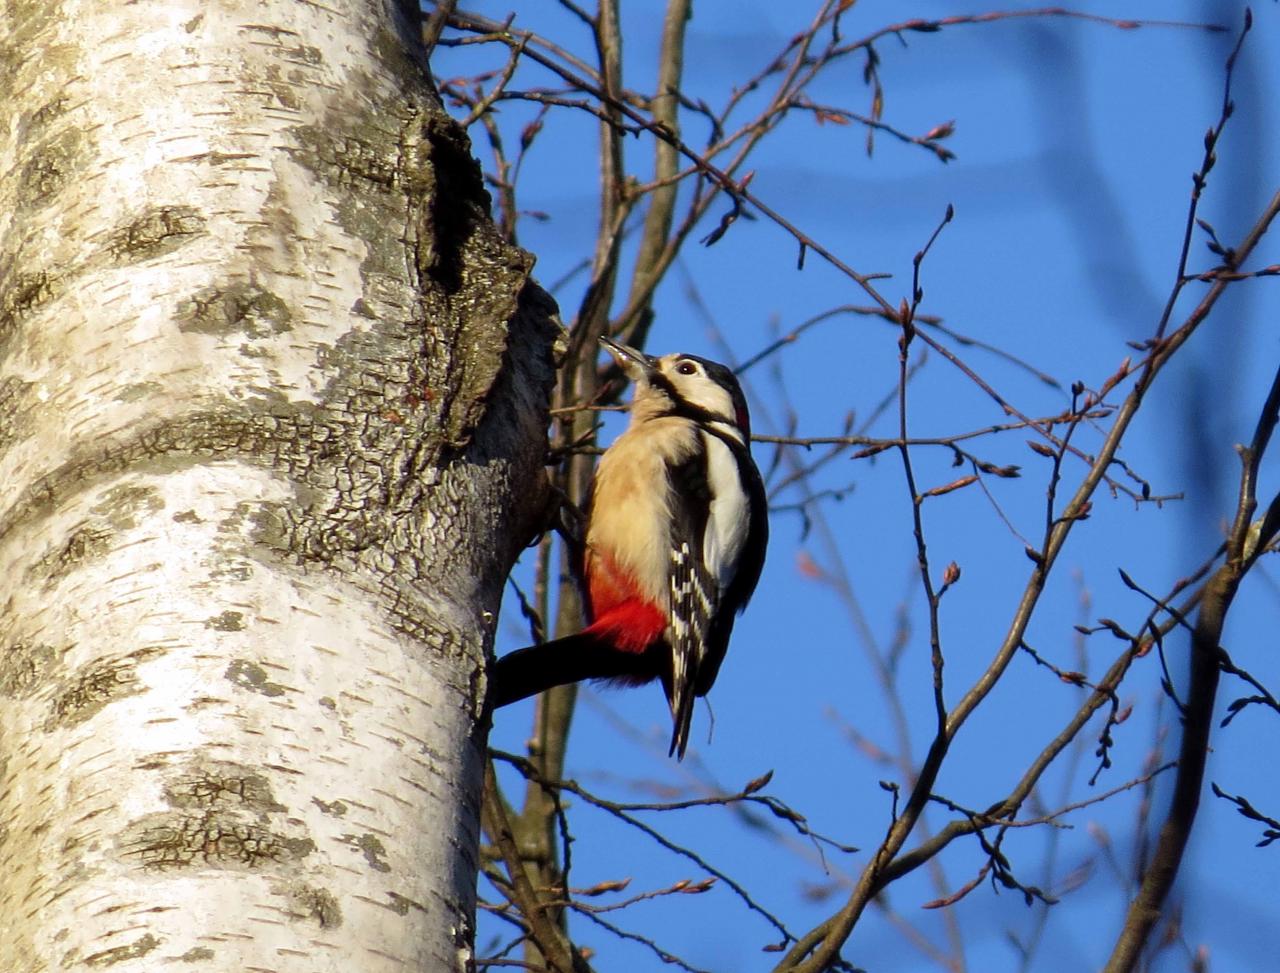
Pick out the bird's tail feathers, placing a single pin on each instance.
(681, 719)
(583, 655)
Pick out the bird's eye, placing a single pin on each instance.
(687, 367)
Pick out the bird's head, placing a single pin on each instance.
(681, 384)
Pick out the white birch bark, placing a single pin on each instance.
(272, 412)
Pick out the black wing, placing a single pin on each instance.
(693, 591)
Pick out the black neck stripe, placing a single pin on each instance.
(682, 406)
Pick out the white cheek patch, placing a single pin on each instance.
(707, 395)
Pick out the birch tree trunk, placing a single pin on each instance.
(272, 417)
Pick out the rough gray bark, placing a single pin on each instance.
(272, 417)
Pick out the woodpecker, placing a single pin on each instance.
(675, 540)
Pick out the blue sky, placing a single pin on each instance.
(1075, 143)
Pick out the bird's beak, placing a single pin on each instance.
(636, 364)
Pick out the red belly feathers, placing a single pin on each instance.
(620, 612)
